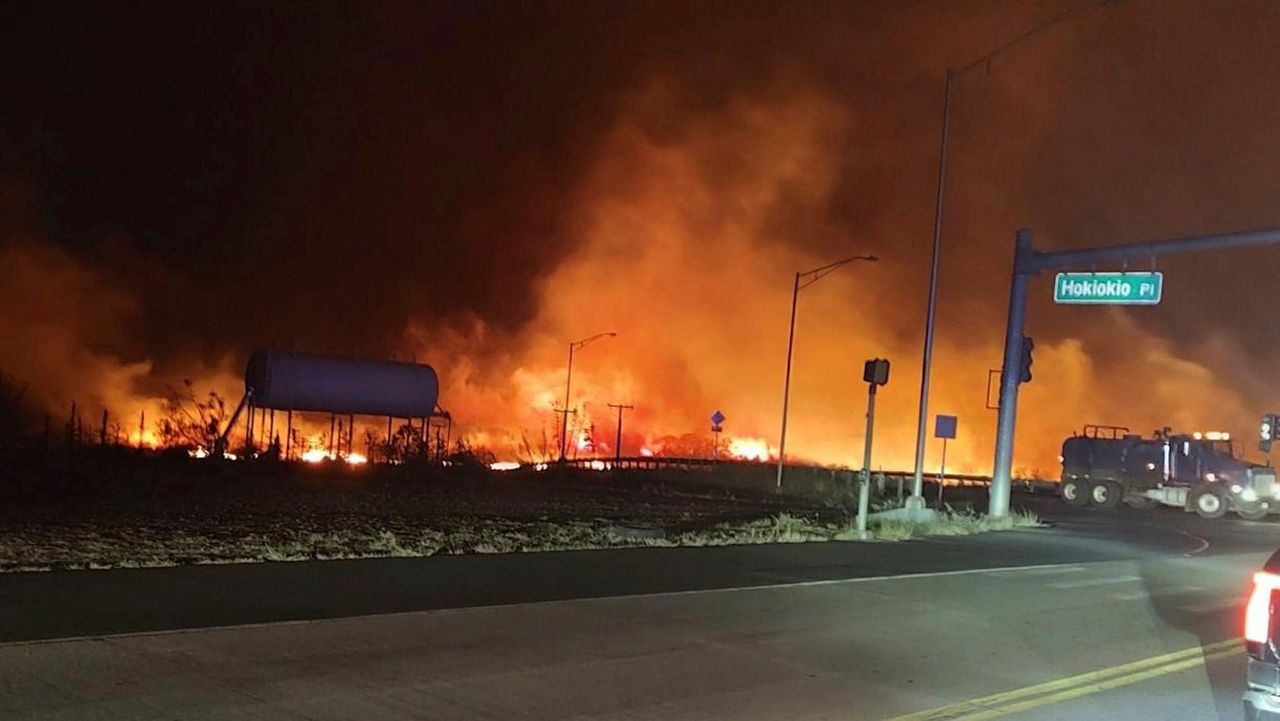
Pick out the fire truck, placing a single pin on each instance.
(1104, 466)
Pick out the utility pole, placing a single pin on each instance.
(1027, 263)
(617, 446)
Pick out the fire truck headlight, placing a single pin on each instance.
(1236, 487)
(1248, 495)
(1151, 466)
(1210, 477)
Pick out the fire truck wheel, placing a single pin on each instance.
(1207, 500)
(1251, 511)
(1075, 492)
(1105, 494)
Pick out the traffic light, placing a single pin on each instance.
(1267, 433)
(1027, 346)
(876, 371)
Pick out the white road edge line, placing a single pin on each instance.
(593, 599)
(1039, 572)
(1095, 582)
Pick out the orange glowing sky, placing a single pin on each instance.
(475, 188)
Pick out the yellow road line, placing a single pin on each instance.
(979, 708)
(1074, 693)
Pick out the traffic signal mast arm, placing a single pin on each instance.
(1032, 261)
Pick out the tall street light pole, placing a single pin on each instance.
(803, 280)
(916, 501)
(917, 484)
(568, 380)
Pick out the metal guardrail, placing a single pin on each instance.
(658, 463)
(647, 463)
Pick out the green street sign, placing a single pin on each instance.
(1108, 288)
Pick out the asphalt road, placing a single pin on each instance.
(1124, 615)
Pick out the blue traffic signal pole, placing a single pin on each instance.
(1027, 262)
(1010, 377)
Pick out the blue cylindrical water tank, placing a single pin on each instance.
(305, 382)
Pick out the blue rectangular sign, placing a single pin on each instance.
(944, 427)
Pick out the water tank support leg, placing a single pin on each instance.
(220, 446)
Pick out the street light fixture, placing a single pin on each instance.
(803, 280)
(564, 425)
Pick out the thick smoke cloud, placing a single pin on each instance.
(474, 186)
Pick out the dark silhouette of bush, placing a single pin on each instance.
(17, 416)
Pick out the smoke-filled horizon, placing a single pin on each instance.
(474, 186)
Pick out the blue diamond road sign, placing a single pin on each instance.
(717, 418)
(1108, 288)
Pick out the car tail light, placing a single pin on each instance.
(1257, 616)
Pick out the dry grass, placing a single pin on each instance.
(785, 528)
(70, 549)
(954, 523)
(782, 528)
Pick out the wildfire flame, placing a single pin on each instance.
(146, 439)
(319, 455)
(315, 455)
(749, 449)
